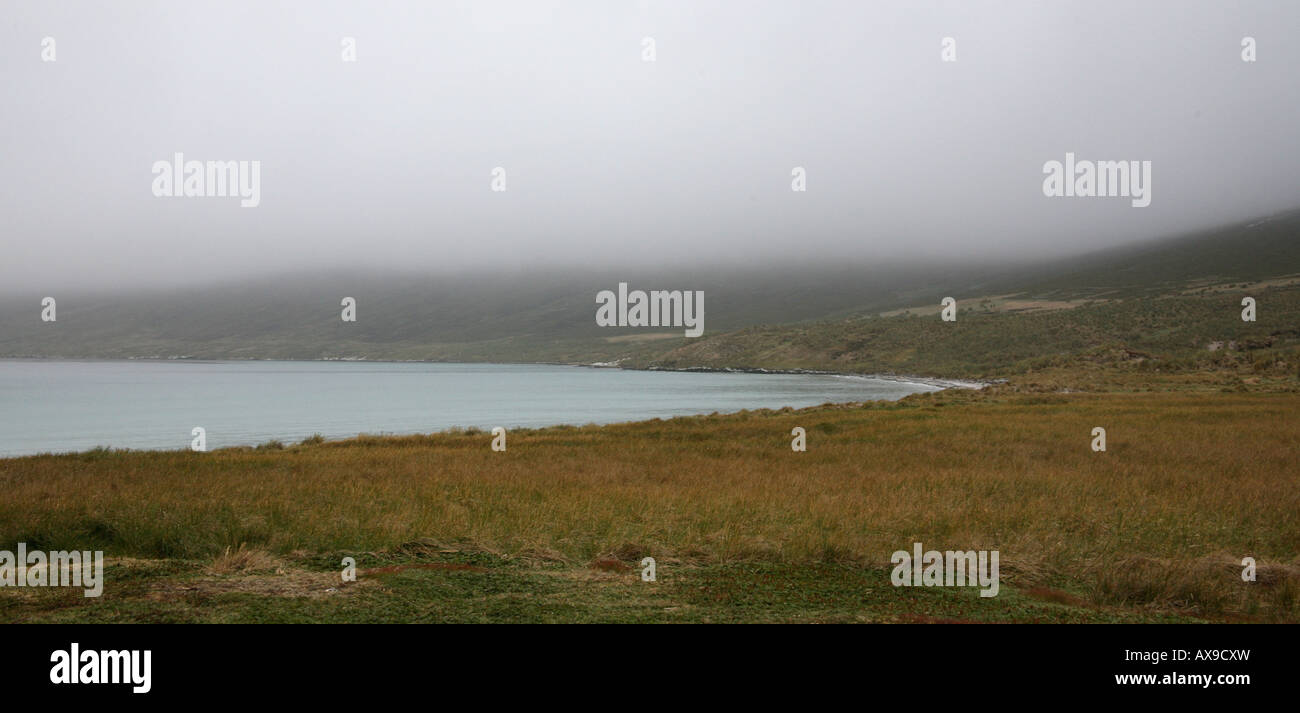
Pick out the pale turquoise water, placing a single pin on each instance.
(57, 406)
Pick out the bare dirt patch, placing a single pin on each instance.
(610, 564)
(1055, 596)
(292, 583)
(444, 566)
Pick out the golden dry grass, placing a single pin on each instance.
(1190, 484)
(245, 560)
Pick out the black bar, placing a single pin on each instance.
(938, 664)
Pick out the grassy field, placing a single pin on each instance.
(1200, 471)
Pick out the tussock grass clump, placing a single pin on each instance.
(244, 561)
(1207, 585)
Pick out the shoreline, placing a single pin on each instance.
(939, 382)
(900, 378)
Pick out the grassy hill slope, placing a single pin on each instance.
(1170, 298)
(1168, 304)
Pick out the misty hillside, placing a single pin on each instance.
(1169, 305)
(1254, 250)
(405, 317)
(550, 316)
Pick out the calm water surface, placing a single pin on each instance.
(57, 406)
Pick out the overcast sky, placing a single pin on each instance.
(612, 160)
